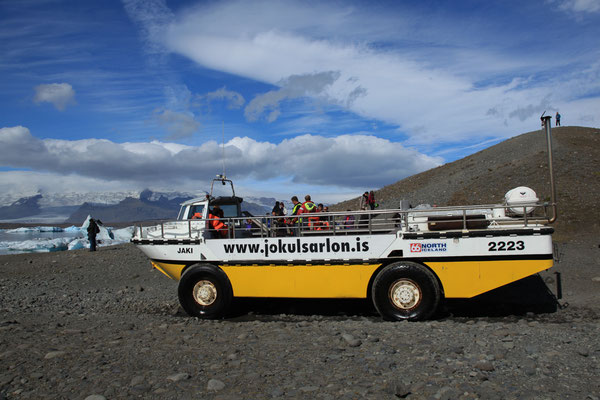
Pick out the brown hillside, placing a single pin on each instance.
(484, 178)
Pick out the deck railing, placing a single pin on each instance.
(452, 218)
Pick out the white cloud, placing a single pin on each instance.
(346, 161)
(179, 124)
(152, 16)
(580, 6)
(293, 87)
(58, 94)
(233, 99)
(423, 76)
(16, 184)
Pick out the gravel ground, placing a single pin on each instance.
(105, 325)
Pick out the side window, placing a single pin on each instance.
(195, 212)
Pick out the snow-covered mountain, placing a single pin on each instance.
(77, 199)
(113, 206)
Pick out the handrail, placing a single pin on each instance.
(349, 222)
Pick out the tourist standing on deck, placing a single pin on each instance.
(293, 220)
(277, 222)
(364, 201)
(371, 200)
(308, 207)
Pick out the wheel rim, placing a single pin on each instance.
(405, 294)
(205, 293)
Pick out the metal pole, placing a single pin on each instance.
(546, 121)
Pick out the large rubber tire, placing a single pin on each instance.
(405, 291)
(205, 292)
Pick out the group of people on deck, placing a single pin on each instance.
(307, 215)
(313, 221)
(284, 226)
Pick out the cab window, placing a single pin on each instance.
(229, 210)
(195, 212)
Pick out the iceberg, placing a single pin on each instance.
(78, 244)
(72, 238)
(123, 235)
(35, 229)
(104, 234)
(36, 245)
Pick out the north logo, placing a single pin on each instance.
(428, 247)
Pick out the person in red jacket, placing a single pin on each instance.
(308, 207)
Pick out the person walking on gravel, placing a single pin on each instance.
(92, 231)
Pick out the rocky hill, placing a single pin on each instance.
(484, 178)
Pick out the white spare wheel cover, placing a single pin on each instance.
(520, 196)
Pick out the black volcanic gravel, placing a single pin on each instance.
(105, 325)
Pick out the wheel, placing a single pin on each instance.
(405, 291)
(205, 292)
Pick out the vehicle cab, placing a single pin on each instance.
(193, 209)
(199, 209)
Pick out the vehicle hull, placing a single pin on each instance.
(344, 266)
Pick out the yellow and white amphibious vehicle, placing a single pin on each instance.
(405, 260)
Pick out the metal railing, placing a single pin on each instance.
(462, 218)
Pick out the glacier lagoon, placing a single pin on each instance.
(43, 239)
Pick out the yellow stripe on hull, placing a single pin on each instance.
(471, 278)
(460, 279)
(302, 281)
(173, 271)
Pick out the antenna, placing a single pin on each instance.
(223, 131)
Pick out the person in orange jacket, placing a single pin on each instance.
(322, 224)
(214, 217)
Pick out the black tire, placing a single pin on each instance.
(205, 292)
(405, 291)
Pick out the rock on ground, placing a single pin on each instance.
(105, 325)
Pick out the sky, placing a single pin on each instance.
(286, 97)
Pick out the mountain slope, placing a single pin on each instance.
(23, 207)
(484, 177)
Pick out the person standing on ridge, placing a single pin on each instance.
(92, 231)
(557, 119)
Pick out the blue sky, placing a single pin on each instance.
(328, 98)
